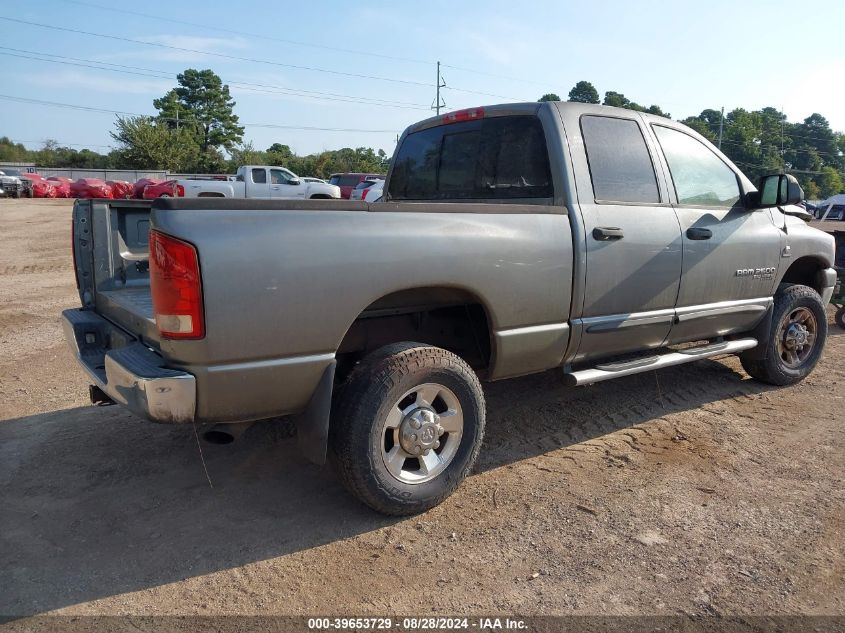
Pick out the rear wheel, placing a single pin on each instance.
(798, 334)
(840, 317)
(407, 427)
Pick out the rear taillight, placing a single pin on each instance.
(180, 191)
(176, 287)
(470, 114)
(364, 193)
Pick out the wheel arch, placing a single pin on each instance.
(807, 271)
(424, 313)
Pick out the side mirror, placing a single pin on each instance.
(294, 181)
(776, 190)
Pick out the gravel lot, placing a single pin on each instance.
(693, 490)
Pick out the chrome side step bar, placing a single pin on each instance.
(610, 370)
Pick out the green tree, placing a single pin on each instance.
(246, 154)
(146, 143)
(202, 103)
(584, 92)
(549, 96)
(830, 182)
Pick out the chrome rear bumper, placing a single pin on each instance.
(130, 373)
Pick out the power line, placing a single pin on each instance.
(249, 34)
(301, 43)
(60, 143)
(72, 106)
(254, 87)
(183, 49)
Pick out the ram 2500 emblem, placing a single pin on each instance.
(756, 273)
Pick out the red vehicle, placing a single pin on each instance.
(61, 184)
(138, 187)
(121, 188)
(43, 189)
(167, 189)
(90, 188)
(348, 181)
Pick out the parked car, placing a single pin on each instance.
(260, 181)
(348, 181)
(90, 188)
(600, 242)
(62, 185)
(140, 184)
(374, 192)
(41, 187)
(121, 188)
(166, 189)
(12, 185)
(357, 192)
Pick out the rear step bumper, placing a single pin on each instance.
(127, 371)
(617, 370)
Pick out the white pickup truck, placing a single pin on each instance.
(259, 181)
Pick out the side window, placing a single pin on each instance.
(278, 177)
(493, 158)
(700, 177)
(259, 176)
(620, 165)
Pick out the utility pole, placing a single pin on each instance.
(177, 118)
(782, 157)
(721, 125)
(438, 103)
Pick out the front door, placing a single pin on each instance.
(284, 185)
(633, 241)
(730, 254)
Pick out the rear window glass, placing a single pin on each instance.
(348, 181)
(620, 165)
(499, 157)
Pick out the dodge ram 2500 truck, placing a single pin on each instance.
(511, 239)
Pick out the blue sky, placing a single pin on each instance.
(682, 56)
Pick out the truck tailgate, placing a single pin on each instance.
(111, 250)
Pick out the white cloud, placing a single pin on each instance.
(194, 48)
(127, 84)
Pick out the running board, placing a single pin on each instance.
(606, 371)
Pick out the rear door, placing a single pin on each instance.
(257, 184)
(730, 254)
(633, 240)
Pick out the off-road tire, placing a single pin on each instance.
(356, 434)
(773, 369)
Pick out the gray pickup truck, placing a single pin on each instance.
(512, 239)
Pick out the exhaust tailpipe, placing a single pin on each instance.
(225, 433)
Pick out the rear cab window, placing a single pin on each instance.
(501, 157)
(259, 176)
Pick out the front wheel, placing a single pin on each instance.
(407, 427)
(796, 340)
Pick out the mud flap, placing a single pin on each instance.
(312, 425)
(761, 332)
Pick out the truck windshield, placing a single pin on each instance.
(499, 157)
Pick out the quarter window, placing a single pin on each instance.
(620, 165)
(700, 177)
(259, 176)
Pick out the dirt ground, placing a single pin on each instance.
(693, 490)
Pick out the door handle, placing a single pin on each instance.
(699, 234)
(605, 233)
